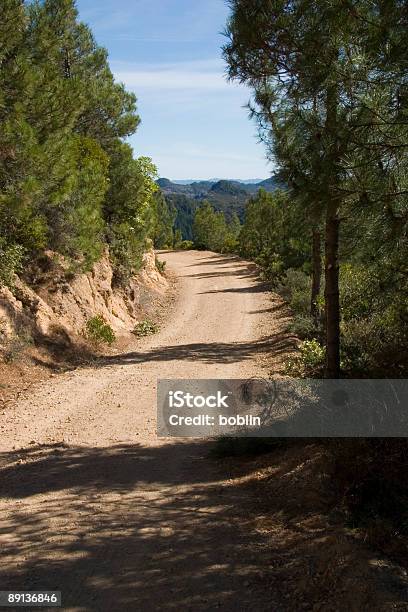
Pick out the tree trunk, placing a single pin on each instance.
(316, 275)
(67, 65)
(331, 268)
(332, 302)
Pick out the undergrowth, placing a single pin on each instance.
(98, 331)
(145, 328)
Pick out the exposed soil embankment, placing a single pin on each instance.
(42, 321)
(59, 303)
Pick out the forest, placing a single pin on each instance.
(335, 126)
(68, 180)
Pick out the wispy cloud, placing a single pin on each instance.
(168, 53)
(195, 75)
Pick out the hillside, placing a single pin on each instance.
(228, 196)
(224, 186)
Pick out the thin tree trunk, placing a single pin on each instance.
(316, 275)
(67, 65)
(331, 269)
(332, 302)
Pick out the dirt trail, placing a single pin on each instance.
(93, 504)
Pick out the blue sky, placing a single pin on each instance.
(168, 52)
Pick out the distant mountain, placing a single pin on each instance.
(228, 188)
(201, 188)
(269, 184)
(228, 196)
(216, 180)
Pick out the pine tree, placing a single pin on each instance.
(342, 100)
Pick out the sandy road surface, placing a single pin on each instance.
(94, 505)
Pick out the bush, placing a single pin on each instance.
(303, 327)
(271, 265)
(11, 257)
(374, 326)
(145, 328)
(98, 331)
(295, 287)
(127, 247)
(309, 363)
(186, 245)
(160, 265)
(230, 245)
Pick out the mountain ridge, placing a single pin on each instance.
(227, 186)
(227, 196)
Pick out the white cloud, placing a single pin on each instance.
(202, 75)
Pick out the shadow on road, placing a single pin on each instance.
(208, 352)
(157, 528)
(128, 528)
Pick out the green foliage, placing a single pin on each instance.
(229, 197)
(11, 258)
(211, 230)
(374, 320)
(178, 239)
(309, 363)
(98, 331)
(74, 211)
(160, 265)
(273, 234)
(145, 328)
(295, 288)
(184, 208)
(335, 126)
(163, 221)
(129, 209)
(68, 182)
(186, 245)
(303, 326)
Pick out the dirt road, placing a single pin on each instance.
(94, 505)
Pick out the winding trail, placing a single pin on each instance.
(94, 505)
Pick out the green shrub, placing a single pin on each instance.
(11, 257)
(127, 247)
(160, 265)
(309, 363)
(230, 245)
(145, 328)
(98, 331)
(295, 288)
(374, 325)
(271, 265)
(186, 245)
(303, 327)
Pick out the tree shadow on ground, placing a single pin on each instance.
(208, 352)
(159, 528)
(128, 528)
